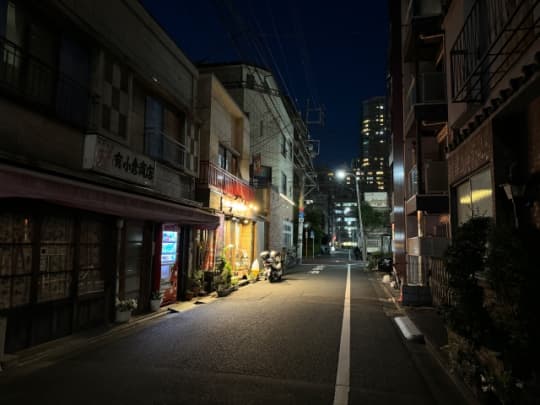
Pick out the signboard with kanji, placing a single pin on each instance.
(108, 157)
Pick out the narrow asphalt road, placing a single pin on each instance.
(265, 344)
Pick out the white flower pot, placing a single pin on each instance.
(122, 316)
(155, 305)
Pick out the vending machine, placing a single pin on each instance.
(169, 263)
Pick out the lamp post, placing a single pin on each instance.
(341, 174)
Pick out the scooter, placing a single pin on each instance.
(272, 265)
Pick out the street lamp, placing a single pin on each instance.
(341, 174)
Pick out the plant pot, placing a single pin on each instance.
(225, 291)
(155, 305)
(189, 295)
(122, 316)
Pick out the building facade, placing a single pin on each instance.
(223, 183)
(271, 146)
(374, 146)
(419, 121)
(458, 108)
(493, 93)
(99, 154)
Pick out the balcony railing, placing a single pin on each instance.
(426, 88)
(412, 181)
(224, 181)
(435, 178)
(27, 78)
(430, 246)
(162, 147)
(494, 36)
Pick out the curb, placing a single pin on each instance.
(408, 328)
(434, 352)
(78, 342)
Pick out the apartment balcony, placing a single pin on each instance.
(433, 196)
(494, 36)
(422, 29)
(26, 79)
(425, 99)
(164, 148)
(225, 182)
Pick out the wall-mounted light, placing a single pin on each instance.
(512, 191)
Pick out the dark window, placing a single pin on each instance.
(115, 98)
(283, 183)
(106, 117)
(122, 125)
(41, 66)
(72, 94)
(108, 70)
(250, 81)
(124, 76)
(234, 165)
(163, 130)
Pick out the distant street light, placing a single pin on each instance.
(341, 174)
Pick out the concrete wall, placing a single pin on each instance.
(223, 122)
(36, 139)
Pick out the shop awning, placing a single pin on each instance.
(23, 183)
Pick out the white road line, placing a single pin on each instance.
(341, 395)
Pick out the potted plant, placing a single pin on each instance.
(124, 308)
(189, 295)
(155, 300)
(224, 278)
(195, 283)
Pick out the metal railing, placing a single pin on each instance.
(164, 148)
(438, 281)
(495, 34)
(412, 182)
(425, 88)
(29, 79)
(224, 181)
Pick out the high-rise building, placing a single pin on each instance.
(374, 146)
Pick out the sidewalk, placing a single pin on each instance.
(80, 341)
(431, 325)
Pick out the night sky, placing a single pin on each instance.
(332, 53)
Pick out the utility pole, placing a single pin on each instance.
(360, 222)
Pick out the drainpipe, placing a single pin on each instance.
(3, 327)
(119, 227)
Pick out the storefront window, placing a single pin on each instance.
(474, 197)
(15, 259)
(90, 257)
(55, 258)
